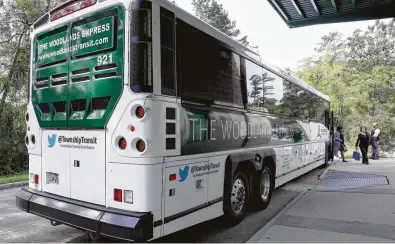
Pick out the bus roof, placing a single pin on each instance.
(313, 12)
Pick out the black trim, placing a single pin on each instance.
(120, 224)
(158, 223)
(192, 210)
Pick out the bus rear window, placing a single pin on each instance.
(141, 47)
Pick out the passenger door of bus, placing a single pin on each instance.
(329, 123)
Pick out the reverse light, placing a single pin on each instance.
(128, 197)
(122, 143)
(140, 112)
(140, 145)
(71, 7)
(118, 195)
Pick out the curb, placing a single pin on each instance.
(13, 185)
(322, 176)
(261, 232)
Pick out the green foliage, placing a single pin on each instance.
(17, 177)
(358, 73)
(15, 21)
(213, 13)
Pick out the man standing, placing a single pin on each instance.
(375, 141)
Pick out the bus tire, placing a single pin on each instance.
(237, 199)
(264, 188)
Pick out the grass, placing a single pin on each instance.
(23, 176)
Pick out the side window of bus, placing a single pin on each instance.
(167, 34)
(254, 86)
(273, 92)
(206, 70)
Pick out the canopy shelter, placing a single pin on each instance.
(298, 13)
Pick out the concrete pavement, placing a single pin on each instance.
(346, 206)
(21, 227)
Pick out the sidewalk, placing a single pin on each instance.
(353, 203)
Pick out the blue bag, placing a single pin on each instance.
(356, 156)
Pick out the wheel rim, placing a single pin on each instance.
(238, 195)
(265, 185)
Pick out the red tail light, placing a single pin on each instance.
(71, 8)
(122, 143)
(172, 177)
(36, 179)
(118, 195)
(140, 112)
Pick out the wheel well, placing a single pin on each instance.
(272, 165)
(245, 167)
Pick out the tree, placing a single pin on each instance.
(15, 21)
(215, 15)
(358, 73)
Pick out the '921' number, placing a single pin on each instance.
(104, 59)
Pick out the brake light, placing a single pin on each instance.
(122, 143)
(71, 8)
(36, 179)
(140, 112)
(118, 195)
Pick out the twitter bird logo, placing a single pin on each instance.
(51, 140)
(183, 173)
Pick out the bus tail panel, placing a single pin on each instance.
(78, 71)
(73, 164)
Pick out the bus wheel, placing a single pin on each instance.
(263, 193)
(237, 199)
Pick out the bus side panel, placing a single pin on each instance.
(279, 160)
(215, 180)
(185, 194)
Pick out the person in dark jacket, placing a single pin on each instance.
(363, 142)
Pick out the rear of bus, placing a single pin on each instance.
(92, 161)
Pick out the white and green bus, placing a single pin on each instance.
(143, 120)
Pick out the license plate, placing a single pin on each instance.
(52, 178)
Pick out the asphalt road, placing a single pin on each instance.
(18, 226)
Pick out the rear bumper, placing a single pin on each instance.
(124, 225)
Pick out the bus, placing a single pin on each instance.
(143, 120)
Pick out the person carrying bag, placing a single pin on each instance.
(363, 141)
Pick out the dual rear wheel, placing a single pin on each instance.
(241, 198)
